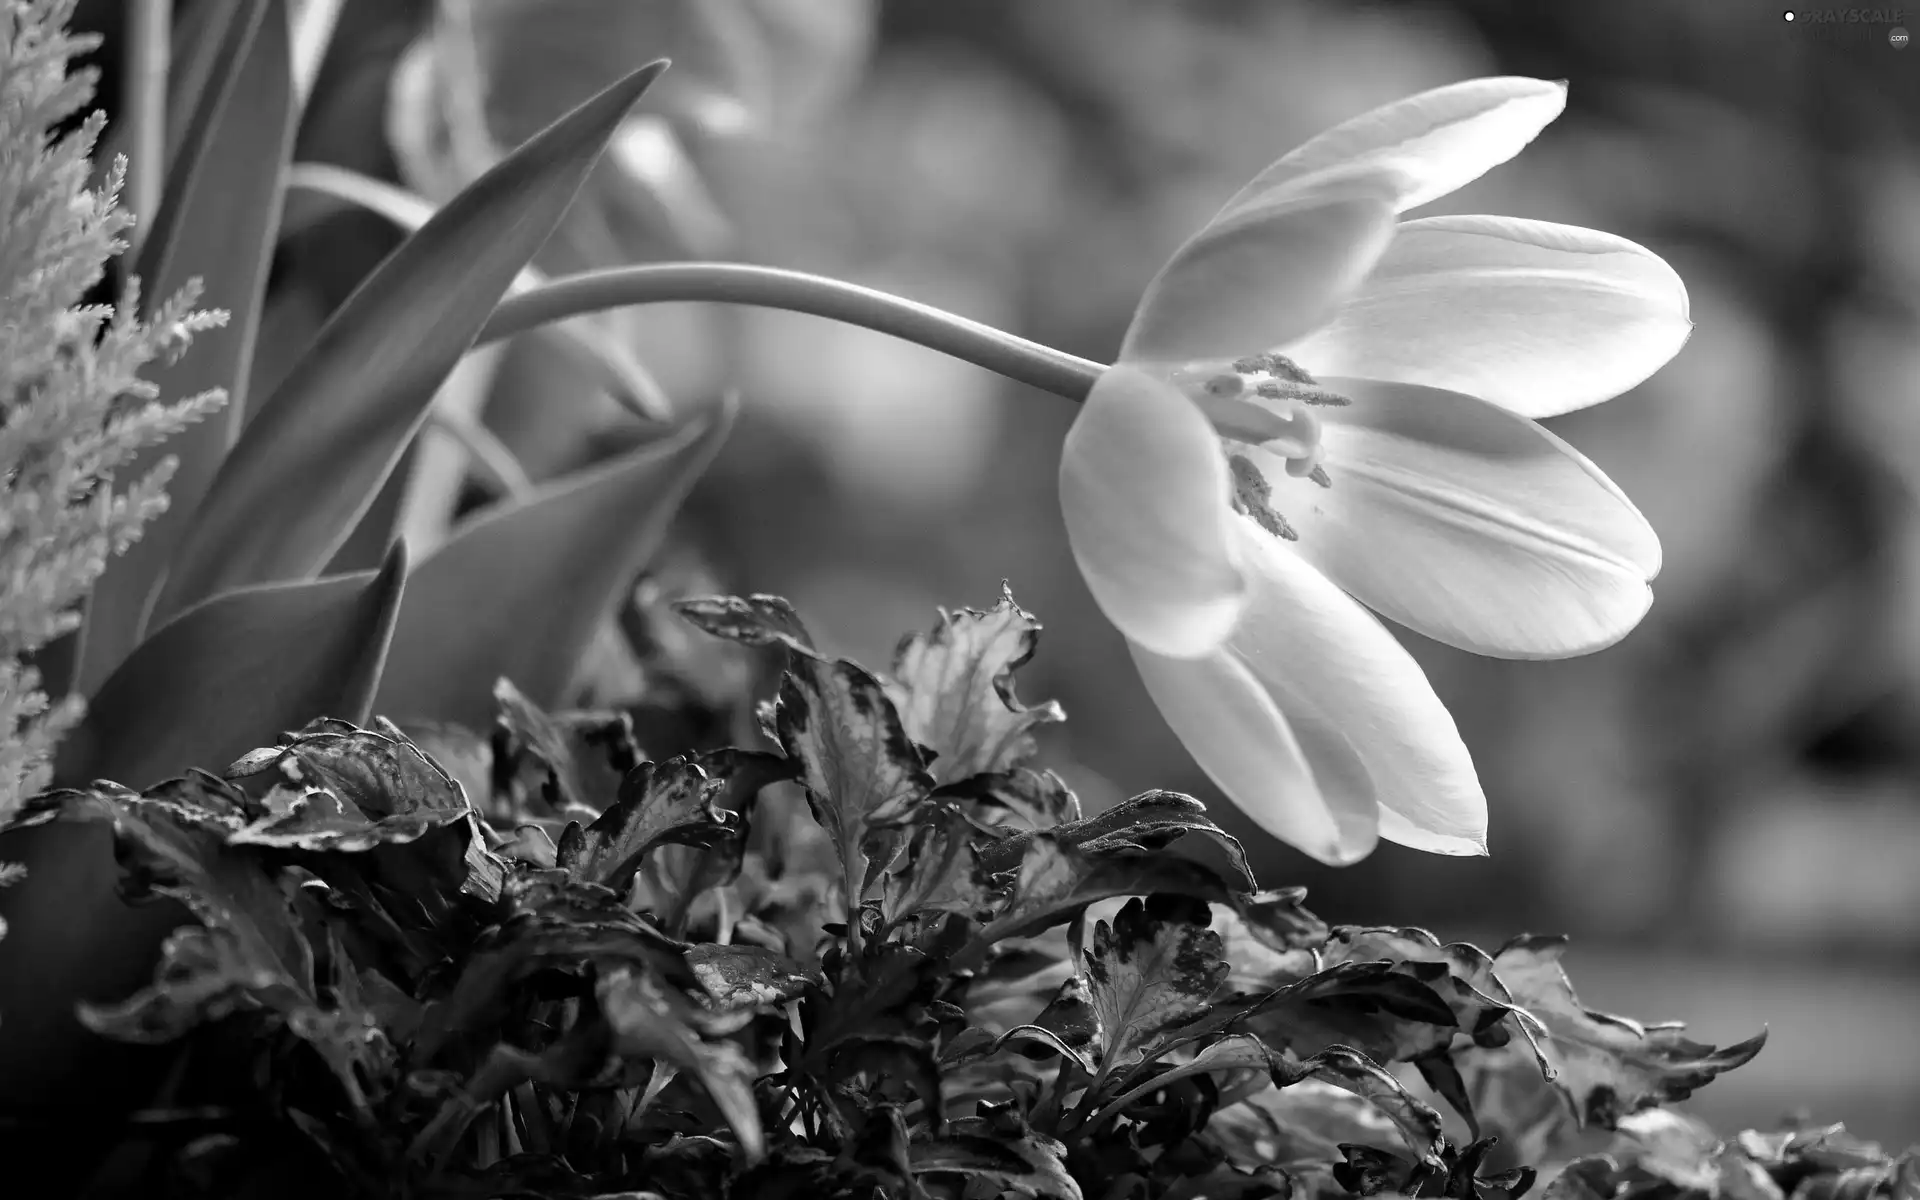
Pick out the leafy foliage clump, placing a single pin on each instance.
(884, 954)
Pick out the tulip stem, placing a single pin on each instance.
(770, 287)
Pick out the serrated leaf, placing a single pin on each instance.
(378, 771)
(658, 803)
(940, 869)
(317, 820)
(580, 758)
(1389, 1015)
(362, 390)
(1606, 1065)
(1054, 880)
(1029, 1170)
(1672, 1146)
(250, 951)
(1147, 823)
(1587, 1178)
(1300, 1128)
(1036, 799)
(1481, 1003)
(646, 1024)
(856, 762)
(746, 976)
(1238, 1053)
(954, 690)
(393, 836)
(1045, 1158)
(1157, 965)
(757, 620)
(551, 922)
(891, 1061)
(518, 590)
(218, 221)
(1344, 1067)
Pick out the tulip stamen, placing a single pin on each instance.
(1252, 495)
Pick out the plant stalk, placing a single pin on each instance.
(795, 291)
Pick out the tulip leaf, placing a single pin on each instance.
(311, 461)
(232, 673)
(517, 591)
(218, 221)
(630, 383)
(954, 689)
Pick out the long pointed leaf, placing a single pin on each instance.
(311, 461)
(222, 679)
(193, 154)
(229, 675)
(332, 188)
(519, 590)
(219, 222)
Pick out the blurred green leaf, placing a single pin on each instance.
(518, 591)
(218, 220)
(316, 454)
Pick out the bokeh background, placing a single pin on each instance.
(1724, 810)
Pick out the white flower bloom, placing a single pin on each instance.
(1318, 404)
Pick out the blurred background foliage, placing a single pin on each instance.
(1724, 810)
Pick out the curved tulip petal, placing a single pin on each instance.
(1536, 317)
(1269, 273)
(1309, 791)
(1326, 660)
(1470, 524)
(1143, 488)
(1381, 750)
(1443, 139)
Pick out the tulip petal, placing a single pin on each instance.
(1442, 139)
(1381, 750)
(1470, 524)
(1309, 791)
(1144, 488)
(1536, 317)
(1327, 661)
(1267, 273)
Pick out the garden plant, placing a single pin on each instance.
(541, 864)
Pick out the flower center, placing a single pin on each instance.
(1265, 401)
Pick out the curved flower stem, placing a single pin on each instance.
(770, 287)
